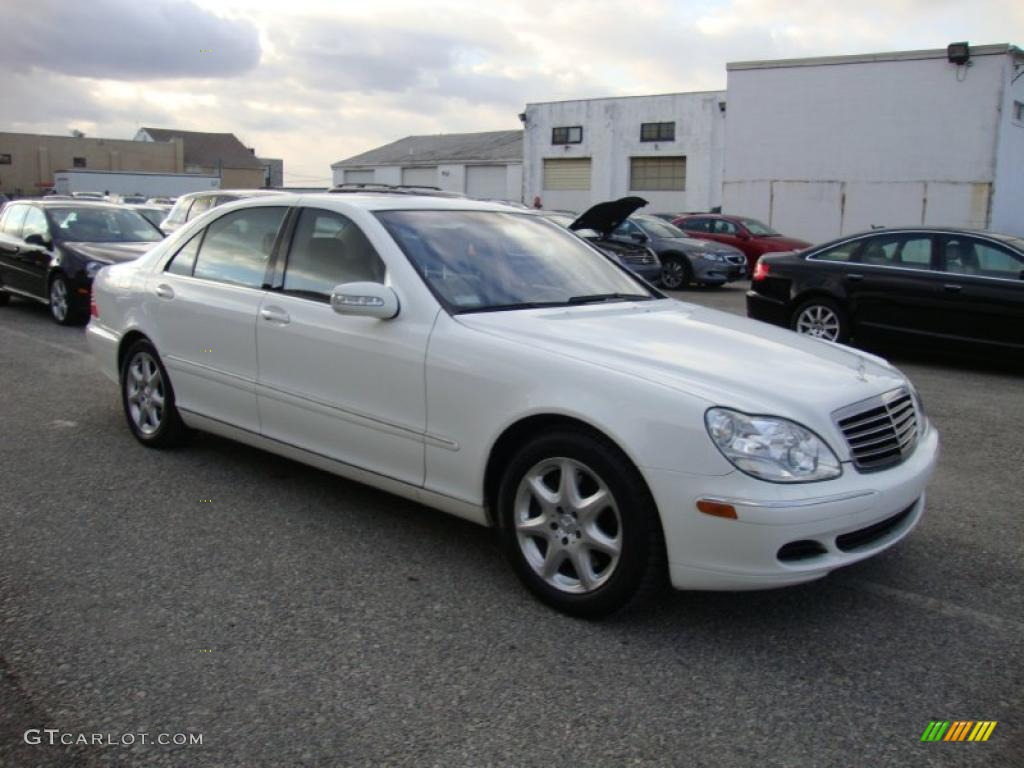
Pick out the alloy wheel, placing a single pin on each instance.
(59, 302)
(144, 393)
(818, 321)
(673, 274)
(568, 525)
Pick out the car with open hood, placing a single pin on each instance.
(476, 359)
(597, 224)
(684, 259)
(638, 259)
(50, 250)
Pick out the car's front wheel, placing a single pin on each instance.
(64, 308)
(675, 273)
(580, 525)
(148, 398)
(821, 318)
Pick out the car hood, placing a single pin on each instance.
(110, 253)
(722, 358)
(605, 217)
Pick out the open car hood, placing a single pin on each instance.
(605, 217)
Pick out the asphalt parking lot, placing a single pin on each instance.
(294, 618)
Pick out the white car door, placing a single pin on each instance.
(205, 304)
(345, 387)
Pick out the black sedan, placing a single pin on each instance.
(956, 287)
(50, 250)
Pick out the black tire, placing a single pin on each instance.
(640, 569)
(168, 430)
(834, 324)
(69, 310)
(676, 273)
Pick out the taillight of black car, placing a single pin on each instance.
(760, 270)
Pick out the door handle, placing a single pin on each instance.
(855, 278)
(275, 315)
(952, 288)
(164, 291)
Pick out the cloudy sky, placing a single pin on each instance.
(315, 81)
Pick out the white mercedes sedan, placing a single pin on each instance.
(485, 362)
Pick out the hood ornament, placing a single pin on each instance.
(862, 371)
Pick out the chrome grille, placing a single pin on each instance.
(881, 431)
(639, 258)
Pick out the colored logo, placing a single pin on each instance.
(959, 730)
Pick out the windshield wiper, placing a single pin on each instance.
(599, 297)
(514, 305)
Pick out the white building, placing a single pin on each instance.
(826, 146)
(486, 165)
(667, 149)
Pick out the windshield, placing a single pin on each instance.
(759, 229)
(655, 227)
(561, 219)
(102, 225)
(477, 261)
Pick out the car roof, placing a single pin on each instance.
(73, 202)
(388, 202)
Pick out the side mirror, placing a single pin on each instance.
(37, 240)
(639, 237)
(365, 299)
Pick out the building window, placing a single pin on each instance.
(78, 162)
(657, 173)
(657, 131)
(1018, 113)
(5, 159)
(572, 134)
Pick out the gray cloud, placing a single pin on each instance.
(126, 40)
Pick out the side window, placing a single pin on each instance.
(329, 249)
(694, 225)
(906, 251)
(841, 253)
(179, 213)
(723, 227)
(35, 224)
(237, 246)
(184, 261)
(966, 256)
(13, 218)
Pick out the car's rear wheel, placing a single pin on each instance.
(580, 525)
(148, 398)
(675, 273)
(63, 306)
(821, 318)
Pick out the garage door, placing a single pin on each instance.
(359, 177)
(486, 182)
(567, 173)
(423, 177)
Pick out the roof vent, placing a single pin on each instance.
(958, 53)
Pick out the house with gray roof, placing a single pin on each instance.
(486, 165)
(219, 154)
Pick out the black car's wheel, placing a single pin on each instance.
(675, 273)
(821, 318)
(64, 307)
(579, 524)
(148, 398)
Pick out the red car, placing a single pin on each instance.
(749, 235)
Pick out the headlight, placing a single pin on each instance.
(92, 268)
(771, 448)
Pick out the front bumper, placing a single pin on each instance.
(717, 272)
(649, 272)
(846, 520)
